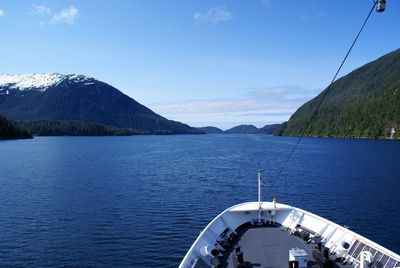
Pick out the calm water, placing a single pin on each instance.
(142, 201)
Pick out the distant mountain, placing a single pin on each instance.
(364, 103)
(79, 98)
(8, 130)
(251, 129)
(211, 130)
(268, 129)
(242, 129)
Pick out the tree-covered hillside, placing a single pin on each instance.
(72, 128)
(364, 103)
(8, 130)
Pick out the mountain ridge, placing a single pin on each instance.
(211, 130)
(241, 129)
(73, 97)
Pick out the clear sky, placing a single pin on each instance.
(202, 62)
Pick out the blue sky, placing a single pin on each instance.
(202, 62)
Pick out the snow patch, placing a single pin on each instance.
(28, 81)
(38, 81)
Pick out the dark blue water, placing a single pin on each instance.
(141, 201)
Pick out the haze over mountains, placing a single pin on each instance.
(364, 103)
(79, 98)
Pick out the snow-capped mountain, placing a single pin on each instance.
(53, 96)
(38, 81)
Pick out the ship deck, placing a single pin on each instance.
(236, 238)
(268, 246)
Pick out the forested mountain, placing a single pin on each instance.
(58, 97)
(8, 130)
(251, 129)
(71, 128)
(211, 130)
(268, 129)
(242, 129)
(364, 103)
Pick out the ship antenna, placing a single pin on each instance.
(380, 6)
(259, 195)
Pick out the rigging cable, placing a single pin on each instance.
(323, 96)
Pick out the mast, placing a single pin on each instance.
(259, 195)
(259, 187)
